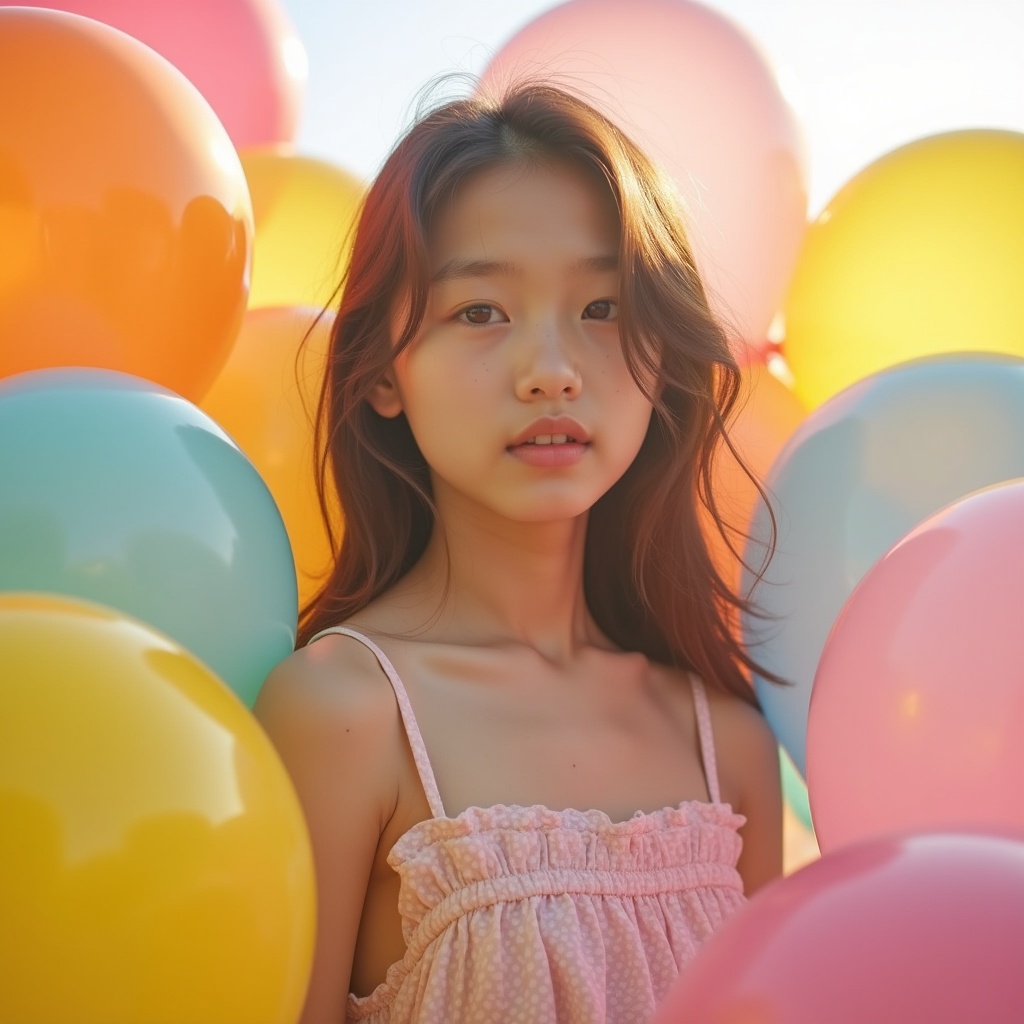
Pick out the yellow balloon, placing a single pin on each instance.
(304, 210)
(920, 253)
(155, 863)
(265, 398)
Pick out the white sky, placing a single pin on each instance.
(864, 76)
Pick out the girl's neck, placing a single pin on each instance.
(509, 582)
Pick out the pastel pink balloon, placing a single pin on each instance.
(917, 710)
(244, 56)
(903, 929)
(696, 93)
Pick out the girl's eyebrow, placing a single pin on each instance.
(459, 267)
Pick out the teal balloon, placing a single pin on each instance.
(119, 491)
(859, 473)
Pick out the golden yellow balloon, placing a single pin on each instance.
(304, 210)
(920, 253)
(156, 866)
(265, 398)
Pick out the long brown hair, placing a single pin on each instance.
(650, 582)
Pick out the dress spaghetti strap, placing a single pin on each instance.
(707, 738)
(412, 729)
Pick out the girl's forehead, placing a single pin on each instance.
(511, 207)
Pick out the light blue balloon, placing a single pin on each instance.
(859, 473)
(119, 491)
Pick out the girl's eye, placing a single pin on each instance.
(480, 315)
(603, 309)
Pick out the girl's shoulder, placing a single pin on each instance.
(335, 675)
(731, 713)
(328, 706)
(746, 749)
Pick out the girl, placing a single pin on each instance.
(522, 738)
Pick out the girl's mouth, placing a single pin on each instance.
(552, 439)
(550, 451)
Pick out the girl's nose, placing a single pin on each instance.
(548, 368)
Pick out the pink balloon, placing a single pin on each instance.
(917, 711)
(244, 56)
(895, 930)
(695, 92)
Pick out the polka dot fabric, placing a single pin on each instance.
(528, 916)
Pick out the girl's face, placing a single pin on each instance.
(515, 387)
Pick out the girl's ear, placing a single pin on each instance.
(385, 399)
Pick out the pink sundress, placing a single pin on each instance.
(523, 914)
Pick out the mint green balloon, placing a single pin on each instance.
(794, 789)
(119, 491)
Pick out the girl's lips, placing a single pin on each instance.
(549, 456)
(552, 425)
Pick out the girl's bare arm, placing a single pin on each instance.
(333, 719)
(748, 759)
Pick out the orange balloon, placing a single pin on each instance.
(769, 413)
(125, 218)
(265, 398)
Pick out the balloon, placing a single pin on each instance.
(695, 92)
(901, 929)
(156, 865)
(266, 398)
(920, 253)
(244, 56)
(116, 490)
(124, 212)
(794, 789)
(304, 210)
(767, 415)
(799, 845)
(917, 714)
(860, 471)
